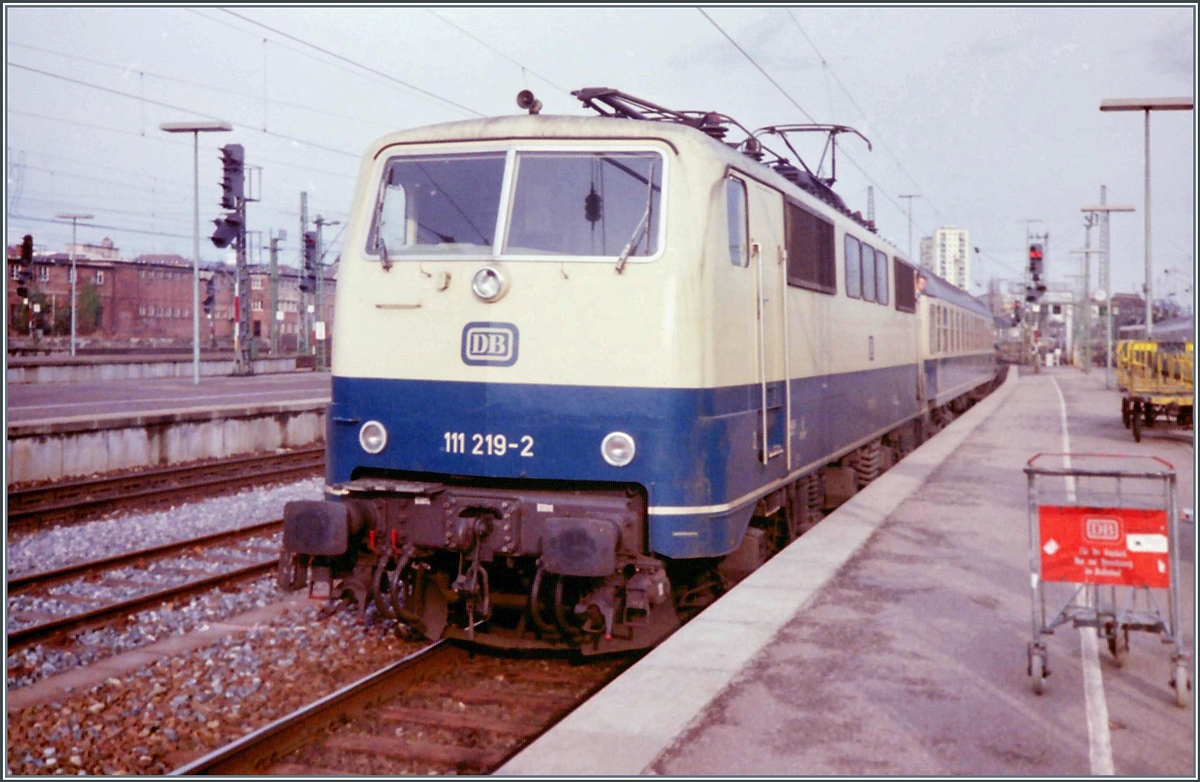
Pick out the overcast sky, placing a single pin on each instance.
(990, 114)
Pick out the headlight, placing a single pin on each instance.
(617, 449)
(372, 437)
(488, 283)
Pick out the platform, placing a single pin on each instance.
(64, 430)
(890, 639)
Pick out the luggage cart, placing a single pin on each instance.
(1106, 526)
(1155, 381)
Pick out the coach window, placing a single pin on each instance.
(868, 272)
(853, 267)
(735, 210)
(881, 277)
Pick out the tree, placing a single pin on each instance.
(89, 309)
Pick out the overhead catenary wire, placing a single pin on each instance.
(487, 45)
(793, 101)
(206, 115)
(829, 69)
(345, 59)
(223, 89)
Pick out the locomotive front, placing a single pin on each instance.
(510, 326)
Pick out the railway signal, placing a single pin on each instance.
(24, 274)
(210, 296)
(308, 276)
(229, 228)
(1036, 266)
(233, 162)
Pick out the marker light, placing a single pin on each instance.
(372, 437)
(488, 283)
(617, 449)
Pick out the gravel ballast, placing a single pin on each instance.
(168, 712)
(68, 544)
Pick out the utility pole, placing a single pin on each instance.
(321, 327)
(910, 197)
(302, 314)
(74, 218)
(1104, 209)
(1087, 251)
(274, 283)
(242, 365)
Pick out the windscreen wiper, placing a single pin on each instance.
(642, 225)
(386, 262)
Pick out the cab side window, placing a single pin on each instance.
(735, 210)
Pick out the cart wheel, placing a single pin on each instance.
(1182, 685)
(1136, 421)
(1039, 675)
(1118, 646)
(1150, 415)
(1125, 412)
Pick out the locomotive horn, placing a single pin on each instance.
(526, 100)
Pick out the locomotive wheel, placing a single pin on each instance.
(1136, 421)
(382, 583)
(1125, 412)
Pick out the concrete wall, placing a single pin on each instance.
(27, 370)
(84, 445)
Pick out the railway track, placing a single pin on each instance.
(242, 554)
(439, 710)
(71, 501)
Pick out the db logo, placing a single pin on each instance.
(1102, 529)
(490, 344)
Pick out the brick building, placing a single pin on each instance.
(147, 301)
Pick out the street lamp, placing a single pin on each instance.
(73, 217)
(1147, 105)
(195, 128)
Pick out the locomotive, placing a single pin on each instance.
(589, 371)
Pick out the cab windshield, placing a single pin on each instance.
(579, 204)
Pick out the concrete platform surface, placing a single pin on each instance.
(891, 639)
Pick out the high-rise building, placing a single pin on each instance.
(945, 253)
(927, 252)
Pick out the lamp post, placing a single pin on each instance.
(195, 128)
(1104, 209)
(910, 197)
(73, 217)
(1147, 105)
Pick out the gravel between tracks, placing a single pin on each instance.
(68, 544)
(157, 718)
(181, 707)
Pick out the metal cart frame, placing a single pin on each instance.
(1129, 547)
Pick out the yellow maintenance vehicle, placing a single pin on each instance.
(1155, 380)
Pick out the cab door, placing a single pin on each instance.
(767, 260)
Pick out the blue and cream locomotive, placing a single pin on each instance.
(588, 371)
